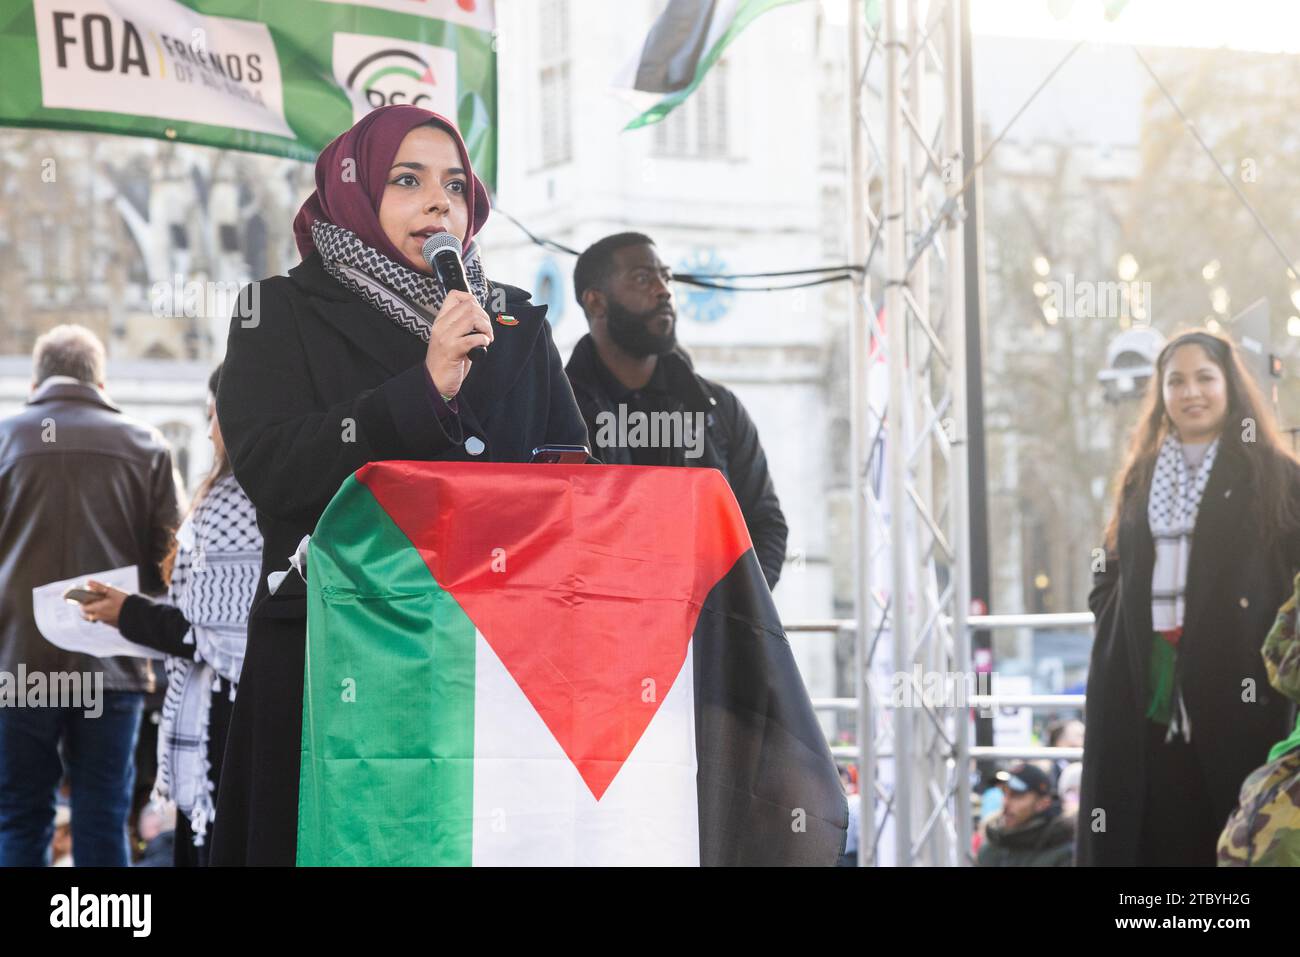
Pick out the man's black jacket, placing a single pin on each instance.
(730, 445)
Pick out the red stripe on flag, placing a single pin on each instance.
(586, 580)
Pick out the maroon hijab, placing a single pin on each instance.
(353, 203)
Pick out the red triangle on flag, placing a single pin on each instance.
(586, 581)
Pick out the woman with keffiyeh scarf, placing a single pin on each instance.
(360, 356)
(211, 575)
(1201, 548)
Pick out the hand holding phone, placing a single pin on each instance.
(81, 595)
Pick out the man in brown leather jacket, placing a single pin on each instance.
(83, 488)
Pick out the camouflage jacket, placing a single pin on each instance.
(1264, 830)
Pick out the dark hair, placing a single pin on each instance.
(597, 260)
(220, 462)
(220, 469)
(1054, 731)
(1270, 465)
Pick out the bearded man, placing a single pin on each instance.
(641, 398)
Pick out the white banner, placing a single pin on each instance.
(161, 59)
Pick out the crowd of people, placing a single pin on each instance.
(360, 332)
(360, 354)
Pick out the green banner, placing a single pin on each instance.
(267, 76)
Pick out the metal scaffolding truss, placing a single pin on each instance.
(908, 441)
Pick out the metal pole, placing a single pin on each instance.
(958, 465)
(917, 220)
(896, 451)
(859, 344)
(981, 585)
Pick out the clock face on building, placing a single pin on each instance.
(549, 291)
(699, 302)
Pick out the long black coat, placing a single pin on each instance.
(315, 385)
(1234, 589)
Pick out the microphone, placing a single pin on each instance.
(442, 252)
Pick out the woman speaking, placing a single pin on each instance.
(358, 356)
(1200, 553)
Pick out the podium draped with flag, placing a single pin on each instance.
(552, 665)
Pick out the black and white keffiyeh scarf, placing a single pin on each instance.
(406, 296)
(1172, 506)
(218, 560)
(1171, 512)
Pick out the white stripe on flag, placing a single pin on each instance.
(723, 13)
(532, 808)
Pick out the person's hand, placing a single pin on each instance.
(461, 324)
(105, 609)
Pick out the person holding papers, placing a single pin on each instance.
(83, 488)
(202, 626)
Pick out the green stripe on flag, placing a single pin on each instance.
(745, 14)
(388, 704)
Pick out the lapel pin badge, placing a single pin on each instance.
(507, 320)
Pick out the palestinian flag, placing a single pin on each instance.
(689, 37)
(547, 665)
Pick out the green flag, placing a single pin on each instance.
(687, 39)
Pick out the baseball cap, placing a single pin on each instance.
(1022, 777)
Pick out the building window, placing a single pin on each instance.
(553, 62)
(697, 129)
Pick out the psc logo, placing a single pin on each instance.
(381, 71)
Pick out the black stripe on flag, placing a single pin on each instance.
(769, 792)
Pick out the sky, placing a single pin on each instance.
(1262, 25)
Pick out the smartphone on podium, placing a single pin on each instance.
(561, 454)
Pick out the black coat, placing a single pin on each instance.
(315, 385)
(157, 624)
(1234, 589)
(730, 445)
